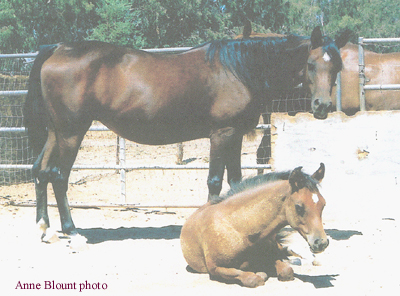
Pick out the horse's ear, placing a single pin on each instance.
(246, 29)
(320, 173)
(341, 40)
(297, 179)
(316, 38)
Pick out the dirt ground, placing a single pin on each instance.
(136, 251)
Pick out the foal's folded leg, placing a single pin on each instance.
(284, 271)
(247, 278)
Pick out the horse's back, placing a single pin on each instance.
(132, 92)
(147, 98)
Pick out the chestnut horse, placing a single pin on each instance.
(380, 68)
(234, 238)
(215, 91)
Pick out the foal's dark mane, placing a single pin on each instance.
(258, 180)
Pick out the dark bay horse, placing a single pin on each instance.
(234, 238)
(214, 91)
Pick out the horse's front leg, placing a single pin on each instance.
(264, 149)
(233, 159)
(68, 146)
(225, 150)
(284, 271)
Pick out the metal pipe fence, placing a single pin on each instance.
(361, 61)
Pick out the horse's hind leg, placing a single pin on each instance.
(41, 182)
(68, 146)
(246, 278)
(54, 166)
(41, 174)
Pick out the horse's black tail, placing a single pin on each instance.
(35, 116)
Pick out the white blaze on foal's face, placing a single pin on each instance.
(315, 198)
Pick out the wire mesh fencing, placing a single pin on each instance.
(14, 148)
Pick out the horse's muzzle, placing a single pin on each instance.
(319, 245)
(321, 110)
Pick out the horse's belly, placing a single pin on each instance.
(159, 133)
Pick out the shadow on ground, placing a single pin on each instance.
(99, 235)
(319, 281)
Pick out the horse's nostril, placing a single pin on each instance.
(316, 103)
(321, 244)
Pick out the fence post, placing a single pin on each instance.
(361, 73)
(339, 91)
(122, 170)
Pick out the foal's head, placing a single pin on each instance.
(323, 64)
(304, 208)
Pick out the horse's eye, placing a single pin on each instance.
(311, 67)
(300, 210)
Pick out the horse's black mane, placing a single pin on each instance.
(258, 62)
(258, 180)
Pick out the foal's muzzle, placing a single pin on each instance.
(319, 245)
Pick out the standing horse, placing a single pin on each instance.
(234, 238)
(214, 91)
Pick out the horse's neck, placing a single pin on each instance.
(262, 210)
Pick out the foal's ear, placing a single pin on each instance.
(341, 40)
(320, 173)
(316, 38)
(297, 179)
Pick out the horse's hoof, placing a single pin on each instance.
(50, 236)
(316, 263)
(78, 243)
(263, 275)
(255, 280)
(286, 274)
(42, 225)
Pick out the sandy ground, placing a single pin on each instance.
(133, 251)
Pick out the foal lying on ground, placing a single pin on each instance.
(234, 238)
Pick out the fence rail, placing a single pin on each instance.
(361, 69)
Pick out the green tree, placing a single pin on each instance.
(118, 24)
(26, 24)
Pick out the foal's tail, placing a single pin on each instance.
(35, 116)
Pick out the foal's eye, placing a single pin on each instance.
(300, 210)
(311, 67)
